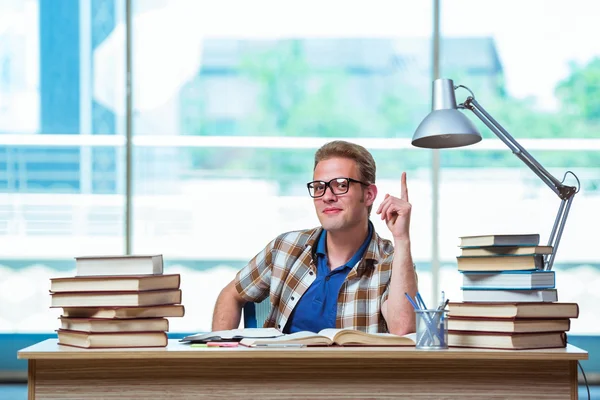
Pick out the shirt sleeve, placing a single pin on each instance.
(253, 282)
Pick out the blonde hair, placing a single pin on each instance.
(363, 158)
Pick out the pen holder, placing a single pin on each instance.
(432, 329)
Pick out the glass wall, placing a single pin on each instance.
(230, 101)
(61, 149)
(541, 82)
(226, 123)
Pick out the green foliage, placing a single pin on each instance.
(580, 91)
(298, 98)
(522, 120)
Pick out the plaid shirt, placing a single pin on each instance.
(285, 269)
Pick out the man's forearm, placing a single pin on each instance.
(400, 316)
(227, 314)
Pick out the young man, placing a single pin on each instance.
(339, 275)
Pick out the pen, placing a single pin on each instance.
(442, 322)
(415, 306)
(420, 300)
(443, 306)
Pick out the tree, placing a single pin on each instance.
(297, 97)
(580, 91)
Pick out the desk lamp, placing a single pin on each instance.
(447, 127)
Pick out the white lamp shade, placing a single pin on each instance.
(443, 129)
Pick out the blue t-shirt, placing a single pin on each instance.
(317, 308)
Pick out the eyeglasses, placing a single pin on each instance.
(336, 185)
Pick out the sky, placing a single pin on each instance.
(535, 39)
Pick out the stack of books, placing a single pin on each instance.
(505, 268)
(509, 299)
(511, 326)
(116, 301)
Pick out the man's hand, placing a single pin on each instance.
(396, 212)
(398, 314)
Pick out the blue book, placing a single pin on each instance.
(506, 280)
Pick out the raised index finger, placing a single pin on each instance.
(403, 188)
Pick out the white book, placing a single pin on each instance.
(529, 239)
(508, 280)
(484, 295)
(331, 336)
(116, 299)
(119, 265)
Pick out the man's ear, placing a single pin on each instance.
(370, 195)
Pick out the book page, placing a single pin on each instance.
(303, 337)
(332, 332)
(351, 336)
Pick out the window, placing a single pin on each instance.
(547, 100)
(227, 123)
(61, 151)
(237, 102)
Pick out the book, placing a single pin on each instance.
(507, 341)
(508, 280)
(500, 263)
(114, 283)
(504, 250)
(341, 337)
(508, 325)
(232, 335)
(519, 295)
(173, 310)
(500, 240)
(111, 339)
(115, 299)
(114, 325)
(119, 265)
(513, 310)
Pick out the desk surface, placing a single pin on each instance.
(51, 350)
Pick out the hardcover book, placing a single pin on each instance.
(508, 341)
(119, 265)
(513, 310)
(530, 239)
(508, 280)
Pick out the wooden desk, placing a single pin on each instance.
(180, 371)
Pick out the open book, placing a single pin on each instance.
(233, 335)
(341, 337)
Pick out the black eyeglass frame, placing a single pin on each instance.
(328, 185)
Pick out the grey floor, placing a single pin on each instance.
(19, 392)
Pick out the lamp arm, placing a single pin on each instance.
(564, 192)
